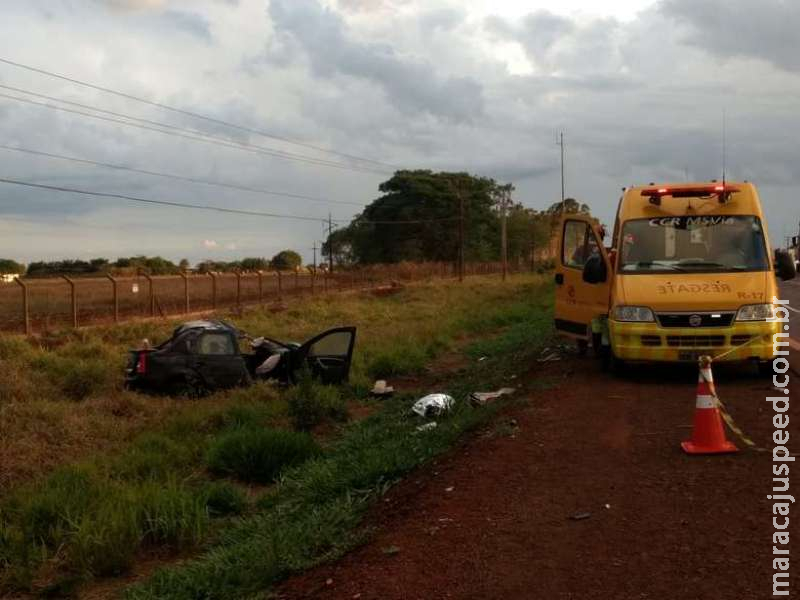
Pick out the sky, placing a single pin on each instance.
(638, 88)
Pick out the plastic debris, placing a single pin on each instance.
(433, 405)
(550, 357)
(482, 358)
(381, 389)
(580, 516)
(427, 426)
(486, 397)
(390, 550)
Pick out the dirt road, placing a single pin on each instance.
(496, 519)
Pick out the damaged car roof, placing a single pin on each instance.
(205, 325)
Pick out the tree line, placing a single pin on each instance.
(154, 265)
(417, 218)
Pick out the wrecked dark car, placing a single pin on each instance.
(203, 356)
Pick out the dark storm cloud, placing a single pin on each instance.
(763, 29)
(411, 85)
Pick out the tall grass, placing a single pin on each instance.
(147, 475)
(316, 512)
(259, 455)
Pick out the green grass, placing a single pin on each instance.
(154, 482)
(310, 404)
(258, 455)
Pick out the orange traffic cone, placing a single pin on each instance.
(708, 435)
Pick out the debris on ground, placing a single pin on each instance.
(449, 489)
(581, 516)
(482, 398)
(381, 389)
(482, 358)
(433, 405)
(427, 426)
(553, 353)
(391, 550)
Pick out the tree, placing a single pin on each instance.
(183, 265)
(8, 266)
(417, 219)
(286, 260)
(570, 206)
(254, 264)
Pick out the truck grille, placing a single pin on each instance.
(707, 319)
(695, 341)
(740, 339)
(651, 340)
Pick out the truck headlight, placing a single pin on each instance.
(636, 314)
(755, 312)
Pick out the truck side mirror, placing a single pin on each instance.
(594, 271)
(784, 265)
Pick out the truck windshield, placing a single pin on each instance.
(694, 244)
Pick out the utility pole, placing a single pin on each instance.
(560, 142)
(330, 244)
(314, 248)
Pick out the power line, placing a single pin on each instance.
(172, 176)
(250, 213)
(187, 133)
(192, 114)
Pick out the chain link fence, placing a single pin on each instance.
(33, 305)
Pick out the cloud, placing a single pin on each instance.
(191, 23)
(434, 84)
(761, 29)
(412, 85)
(134, 4)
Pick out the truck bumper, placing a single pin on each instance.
(650, 342)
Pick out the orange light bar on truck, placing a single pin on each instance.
(714, 189)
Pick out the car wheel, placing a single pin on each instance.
(597, 344)
(196, 386)
(610, 363)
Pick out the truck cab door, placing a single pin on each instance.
(578, 301)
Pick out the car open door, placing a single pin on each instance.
(327, 355)
(578, 301)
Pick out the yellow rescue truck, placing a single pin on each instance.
(689, 272)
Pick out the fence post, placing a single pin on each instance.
(151, 290)
(26, 313)
(213, 289)
(114, 296)
(296, 280)
(74, 299)
(280, 285)
(325, 281)
(238, 274)
(260, 287)
(185, 278)
(313, 279)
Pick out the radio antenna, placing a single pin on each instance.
(724, 148)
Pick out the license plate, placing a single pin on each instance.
(691, 355)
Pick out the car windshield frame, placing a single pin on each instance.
(713, 264)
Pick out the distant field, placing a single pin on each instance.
(50, 301)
